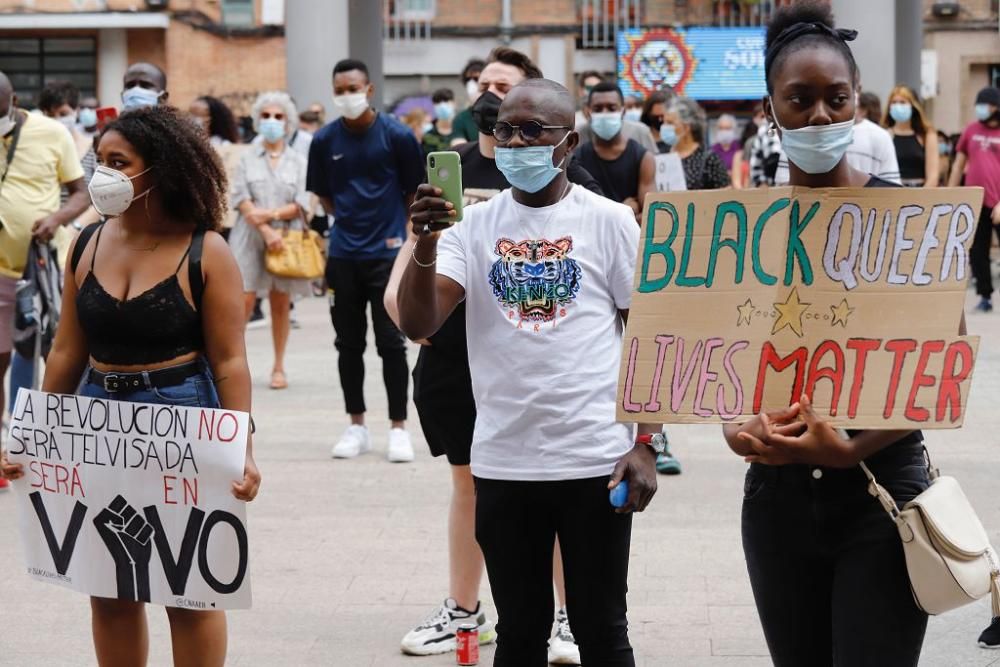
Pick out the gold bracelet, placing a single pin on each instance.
(413, 254)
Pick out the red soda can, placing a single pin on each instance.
(467, 645)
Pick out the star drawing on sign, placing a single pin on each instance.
(790, 314)
(746, 312)
(841, 313)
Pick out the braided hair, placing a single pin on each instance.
(189, 175)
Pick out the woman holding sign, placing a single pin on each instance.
(826, 566)
(152, 312)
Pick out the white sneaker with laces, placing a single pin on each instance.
(562, 646)
(355, 441)
(400, 448)
(437, 633)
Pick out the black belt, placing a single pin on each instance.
(114, 382)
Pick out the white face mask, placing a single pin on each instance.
(68, 121)
(351, 105)
(111, 191)
(472, 89)
(7, 122)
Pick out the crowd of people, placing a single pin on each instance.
(174, 213)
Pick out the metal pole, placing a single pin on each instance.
(909, 42)
(506, 23)
(365, 41)
(315, 39)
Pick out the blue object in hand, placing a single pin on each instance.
(619, 494)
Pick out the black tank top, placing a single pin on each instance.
(910, 156)
(155, 326)
(619, 178)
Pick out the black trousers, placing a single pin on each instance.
(355, 284)
(826, 563)
(979, 255)
(516, 526)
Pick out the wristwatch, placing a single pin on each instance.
(657, 441)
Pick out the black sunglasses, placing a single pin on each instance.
(530, 131)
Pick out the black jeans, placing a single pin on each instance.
(516, 526)
(979, 254)
(826, 563)
(356, 283)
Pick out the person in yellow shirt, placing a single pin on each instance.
(37, 157)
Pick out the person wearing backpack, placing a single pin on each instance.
(153, 312)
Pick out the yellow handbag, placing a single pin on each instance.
(300, 257)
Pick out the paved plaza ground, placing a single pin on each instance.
(348, 555)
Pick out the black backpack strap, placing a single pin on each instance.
(82, 239)
(195, 277)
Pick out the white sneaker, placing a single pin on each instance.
(354, 441)
(562, 646)
(400, 448)
(437, 633)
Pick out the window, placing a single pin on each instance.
(32, 62)
(237, 13)
(413, 10)
(995, 76)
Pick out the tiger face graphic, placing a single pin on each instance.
(535, 276)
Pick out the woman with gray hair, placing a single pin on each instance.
(269, 191)
(684, 129)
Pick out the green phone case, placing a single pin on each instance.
(444, 170)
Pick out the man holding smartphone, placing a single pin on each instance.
(365, 167)
(547, 446)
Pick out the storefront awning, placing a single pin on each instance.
(83, 20)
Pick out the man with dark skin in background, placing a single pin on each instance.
(544, 454)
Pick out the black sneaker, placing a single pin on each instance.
(991, 635)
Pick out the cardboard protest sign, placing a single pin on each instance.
(746, 299)
(132, 500)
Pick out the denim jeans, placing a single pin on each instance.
(197, 391)
(826, 563)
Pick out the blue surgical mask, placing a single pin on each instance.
(634, 115)
(88, 117)
(943, 148)
(272, 129)
(901, 112)
(816, 149)
(668, 134)
(444, 111)
(606, 125)
(137, 97)
(983, 112)
(529, 169)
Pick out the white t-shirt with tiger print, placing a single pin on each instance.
(543, 287)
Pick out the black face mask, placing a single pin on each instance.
(485, 111)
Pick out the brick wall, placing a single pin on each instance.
(234, 69)
(549, 12)
(468, 12)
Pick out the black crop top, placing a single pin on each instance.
(157, 325)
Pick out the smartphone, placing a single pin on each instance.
(444, 170)
(104, 116)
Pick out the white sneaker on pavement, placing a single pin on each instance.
(400, 448)
(437, 633)
(562, 646)
(355, 441)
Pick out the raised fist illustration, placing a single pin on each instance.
(127, 536)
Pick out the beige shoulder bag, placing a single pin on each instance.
(948, 554)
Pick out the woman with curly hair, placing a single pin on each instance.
(152, 300)
(269, 191)
(215, 118)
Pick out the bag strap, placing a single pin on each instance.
(82, 239)
(19, 121)
(195, 277)
(878, 491)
